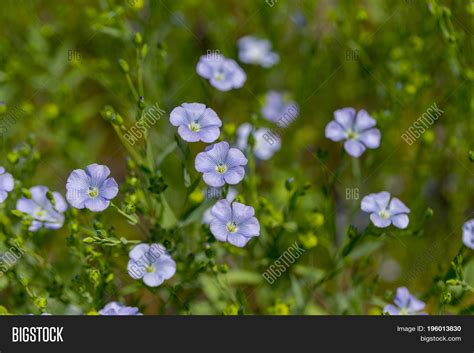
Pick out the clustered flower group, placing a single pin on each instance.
(220, 164)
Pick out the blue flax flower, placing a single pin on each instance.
(234, 223)
(152, 263)
(383, 213)
(222, 73)
(196, 122)
(116, 308)
(278, 109)
(266, 143)
(42, 210)
(256, 51)
(6, 184)
(468, 234)
(405, 304)
(91, 188)
(221, 164)
(358, 131)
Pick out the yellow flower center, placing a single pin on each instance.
(221, 168)
(352, 135)
(384, 214)
(194, 126)
(93, 192)
(232, 227)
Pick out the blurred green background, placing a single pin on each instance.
(59, 68)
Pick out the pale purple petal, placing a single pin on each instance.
(345, 117)
(379, 221)
(219, 230)
(109, 189)
(166, 266)
(3, 196)
(209, 134)
(38, 194)
(369, 204)
(214, 179)
(222, 211)
(153, 279)
(237, 239)
(235, 157)
(97, 173)
(370, 138)
(204, 163)
(468, 234)
(363, 121)
(97, 204)
(179, 117)
(334, 131)
(218, 152)
(136, 269)
(354, 148)
(381, 198)
(391, 309)
(241, 212)
(402, 297)
(415, 305)
(6, 182)
(194, 111)
(25, 205)
(250, 228)
(400, 221)
(60, 203)
(138, 251)
(397, 206)
(210, 118)
(233, 175)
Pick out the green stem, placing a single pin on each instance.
(134, 154)
(131, 219)
(140, 73)
(132, 87)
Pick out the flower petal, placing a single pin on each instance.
(354, 148)
(370, 138)
(109, 189)
(241, 213)
(250, 228)
(204, 163)
(400, 221)
(219, 230)
(363, 121)
(233, 175)
(97, 204)
(379, 221)
(222, 211)
(6, 182)
(214, 179)
(60, 203)
(218, 152)
(391, 309)
(235, 157)
(25, 205)
(97, 173)
(397, 206)
(237, 240)
(165, 266)
(153, 279)
(209, 134)
(345, 117)
(334, 131)
(179, 117)
(138, 251)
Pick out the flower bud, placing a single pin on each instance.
(124, 66)
(138, 39)
(26, 193)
